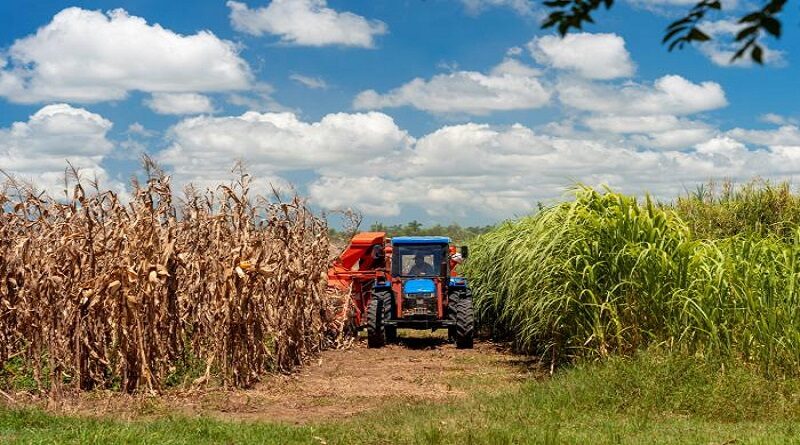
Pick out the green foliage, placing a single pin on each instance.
(16, 375)
(721, 210)
(654, 384)
(456, 232)
(605, 275)
(188, 368)
(414, 228)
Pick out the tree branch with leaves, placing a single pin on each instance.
(568, 15)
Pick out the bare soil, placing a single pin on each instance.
(340, 384)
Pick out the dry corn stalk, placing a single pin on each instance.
(95, 292)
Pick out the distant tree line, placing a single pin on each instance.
(414, 228)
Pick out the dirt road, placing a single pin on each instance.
(339, 384)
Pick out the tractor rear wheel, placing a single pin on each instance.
(376, 335)
(378, 312)
(452, 304)
(386, 297)
(465, 323)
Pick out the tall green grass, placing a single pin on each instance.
(722, 209)
(607, 274)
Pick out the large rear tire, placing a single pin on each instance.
(452, 304)
(387, 298)
(378, 311)
(465, 323)
(376, 335)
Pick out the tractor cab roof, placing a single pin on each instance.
(405, 240)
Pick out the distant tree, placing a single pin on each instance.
(567, 15)
(413, 227)
(377, 227)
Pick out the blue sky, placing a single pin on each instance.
(438, 110)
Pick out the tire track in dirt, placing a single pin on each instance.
(346, 382)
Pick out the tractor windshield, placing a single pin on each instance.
(418, 260)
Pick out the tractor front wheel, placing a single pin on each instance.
(465, 323)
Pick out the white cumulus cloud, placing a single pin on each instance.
(315, 83)
(206, 147)
(521, 7)
(785, 135)
(38, 150)
(657, 131)
(504, 171)
(593, 56)
(511, 85)
(670, 94)
(671, 8)
(89, 56)
(307, 23)
(179, 103)
(777, 119)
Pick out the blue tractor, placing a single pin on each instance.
(406, 282)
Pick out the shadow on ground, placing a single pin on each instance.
(421, 343)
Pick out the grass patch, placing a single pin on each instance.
(650, 398)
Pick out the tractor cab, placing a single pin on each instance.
(420, 256)
(419, 267)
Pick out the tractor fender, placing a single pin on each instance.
(382, 285)
(457, 282)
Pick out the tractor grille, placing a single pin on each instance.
(419, 304)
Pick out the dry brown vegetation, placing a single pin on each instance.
(138, 294)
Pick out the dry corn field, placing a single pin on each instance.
(215, 287)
